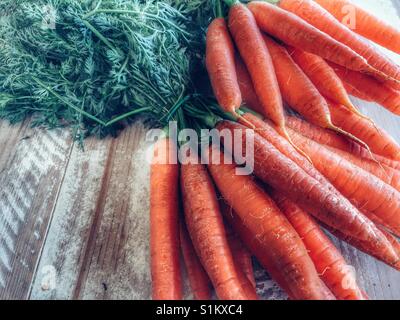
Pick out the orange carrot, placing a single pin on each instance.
(365, 190)
(332, 139)
(355, 92)
(330, 264)
(361, 245)
(198, 278)
(297, 90)
(317, 16)
(295, 32)
(206, 228)
(282, 174)
(323, 76)
(265, 130)
(378, 140)
(258, 61)
(378, 92)
(257, 249)
(280, 242)
(367, 25)
(241, 255)
(220, 62)
(164, 224)
(246, 87)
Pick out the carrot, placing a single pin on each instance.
(246, 86)
(355, 92)
(367, 25)
(331, 139)
(386, 96)
(265, 130)
(282, 174)
(241, 255)
(382, 171)
(378, 140)
(257, 249)
(323, 77)
(361, 245)
(328, 261)
(198, 278)
(365, 190)
(220, 62)
(258, 61)
(280, 242)
(295, 32)
(206, 228)
(164, 225)
(317, 16)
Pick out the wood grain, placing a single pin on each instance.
(30, 180)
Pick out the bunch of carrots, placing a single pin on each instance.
(333, 167)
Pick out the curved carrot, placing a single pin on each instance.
(204, 222)
(367, 25)
(378, 140)
(386, 96)
(282, 174)
(258, 61)
(199, 281)
(365, 190)
(164, 224)
(330, 264)
(317, 16)
(295, 32)
(220, 62)
(270, 228)
(332, 139)
(323, 76)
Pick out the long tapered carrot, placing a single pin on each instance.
(361, 245)
(386, 96)
(366, 24)
(355, 92)
(204, 222)
(241, 255)
(258, 61)
(297, 89)
(378, 140)
(330, 264)
(323, 76)
(317, 16)
(295, 32)
(220, 62)
(365, 190)
(164, 223)
(246, 86)
(282, 174)
(270, 228)
(332, 139)
(199, 281)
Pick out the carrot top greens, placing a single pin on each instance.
(91, 64)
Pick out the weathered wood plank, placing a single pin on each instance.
(29, 187)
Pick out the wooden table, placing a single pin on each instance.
(74, 224)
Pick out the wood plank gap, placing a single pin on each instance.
(50, 219)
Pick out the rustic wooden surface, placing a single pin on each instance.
(74, 224)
